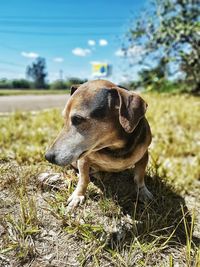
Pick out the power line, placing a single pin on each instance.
(59, 18)
(59, 33)
(10, 47)
(8, 71)
(59, 24)
(12, 63)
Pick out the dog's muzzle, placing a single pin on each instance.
(51, 157)
(55, 158)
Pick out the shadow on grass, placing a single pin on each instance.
(165, 218)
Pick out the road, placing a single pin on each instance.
(31, 102)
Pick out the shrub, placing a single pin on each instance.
(21, 84)
(5, 84)
(58, 85)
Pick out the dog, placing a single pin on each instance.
(105, 129)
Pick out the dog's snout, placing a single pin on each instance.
(50, 157)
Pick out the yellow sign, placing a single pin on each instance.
(100, 69)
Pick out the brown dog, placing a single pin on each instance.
(105, 130)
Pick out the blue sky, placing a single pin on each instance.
(69, 34)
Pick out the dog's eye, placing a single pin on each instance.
(76, 120)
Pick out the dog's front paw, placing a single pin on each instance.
(74, 200)
(145, 195)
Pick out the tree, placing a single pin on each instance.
(37, 72)
(170, 29)
(5, 84)
(58, 84)
(190, 65)
(73, 80)
(21, 83)
(155, 74)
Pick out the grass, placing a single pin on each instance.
(8, 92)
(111, 228)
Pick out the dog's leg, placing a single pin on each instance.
(78, 196)
(140, 166)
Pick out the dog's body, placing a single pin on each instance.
(105, 130)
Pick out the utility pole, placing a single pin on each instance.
(61, 75)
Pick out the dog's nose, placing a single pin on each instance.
(50, 157)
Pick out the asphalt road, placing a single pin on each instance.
(31, 102)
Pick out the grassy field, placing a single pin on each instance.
(111, 228)
(7, 92)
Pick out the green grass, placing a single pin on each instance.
(8, 92)
(111, 228)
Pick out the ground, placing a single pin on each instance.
(111, 228)
(13, 103)
(11, 92)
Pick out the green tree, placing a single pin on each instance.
(5, 84)
(154, 75)
(73, 80)
(37, 72)
(21, 83)
(170, 29)
(58, 84)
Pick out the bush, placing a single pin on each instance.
(72, 81)
(5, 84)
(165, 86)
(158, 85)
(58, 85)
(21, 84)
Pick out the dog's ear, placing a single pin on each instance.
(73, 88)
(131, 109)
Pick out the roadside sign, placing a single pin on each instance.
(100, 69)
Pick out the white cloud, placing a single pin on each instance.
(58, 59)
(97, 62)
(136, 50)
(81, 52)
(103, 42)
(119, 53)
(29, 54)
(91, 42)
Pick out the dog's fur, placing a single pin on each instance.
(105, 129)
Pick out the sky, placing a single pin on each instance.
(69, 34)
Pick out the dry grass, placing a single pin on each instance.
(111, 228)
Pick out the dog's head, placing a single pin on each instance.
(93, 117)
